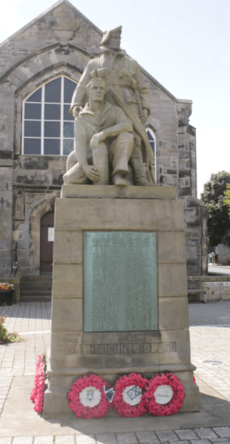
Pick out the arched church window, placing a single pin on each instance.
(48, 128)
(152, 141)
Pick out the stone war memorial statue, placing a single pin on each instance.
(125, 88)
(119, 293)
(93, 152)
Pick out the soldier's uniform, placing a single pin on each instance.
(126, 88)
(120, 73)
(115, 151)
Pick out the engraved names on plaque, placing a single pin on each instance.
(120, 281)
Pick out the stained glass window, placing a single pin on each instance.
(152, 138)
(48, 128)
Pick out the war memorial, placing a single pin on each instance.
(119, 301)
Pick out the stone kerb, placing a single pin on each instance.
(110, 354)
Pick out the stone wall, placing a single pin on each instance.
(196, 219)
(26, 233)
(61, 42)
(223, 252)
(216, 288)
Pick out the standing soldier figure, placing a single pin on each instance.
(126, 88)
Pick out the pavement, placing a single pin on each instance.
(19, 424)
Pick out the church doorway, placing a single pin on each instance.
(46, 243)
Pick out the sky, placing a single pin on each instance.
(184, 44)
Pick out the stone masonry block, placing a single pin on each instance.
(105, 192)
(173, 314)
(63, 344)
(105, 214)
(182, 344)
(172, 280)
(171, 247)
(68, 247)
(67, 281)
(71, 309)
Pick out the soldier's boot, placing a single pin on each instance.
(118, 179)
(138, 170)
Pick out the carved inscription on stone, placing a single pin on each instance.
(216, 284)
(116, 349)
(120, 281)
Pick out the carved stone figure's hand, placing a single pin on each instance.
(96, 139)
(91, 172)
(76, 110)
(144, 115)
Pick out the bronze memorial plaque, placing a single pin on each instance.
(120, 281)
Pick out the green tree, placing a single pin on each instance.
(214, 197)
(227, 197)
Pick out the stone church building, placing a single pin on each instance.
(40, 67)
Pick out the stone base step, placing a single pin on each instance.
(37, 292)
(35, 288)
(35, 299)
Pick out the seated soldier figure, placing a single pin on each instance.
(103, 141)
(126, 88)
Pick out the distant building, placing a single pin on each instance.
(40, 67)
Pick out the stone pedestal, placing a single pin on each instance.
(74, 351)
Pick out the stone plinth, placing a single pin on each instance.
(76, 352)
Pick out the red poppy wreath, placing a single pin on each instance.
(37, 394)
(87, 398)
(164, 395)
(128, 399)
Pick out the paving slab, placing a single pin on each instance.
(26, 422)
(23, 440)
(210, 338)
(67, 439)
(164, 436)
(109, 438)
(219, 440)
(179, 442)
(186, 434)
(206, 433)
(223, 432)
(147, 437)
(200, 441)
(43, 440)
(126, 438)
